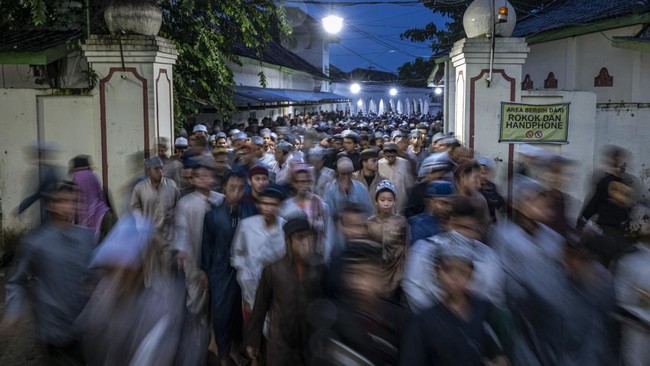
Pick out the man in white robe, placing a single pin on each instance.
(259, 241)
(398, 171)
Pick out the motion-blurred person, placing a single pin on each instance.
(389, 230)
(633, 292)
(344, 191)
(93, 210)
(532, 254)
(402, 152)
(611, 201)
(368, 322)
(171, 167)
(461, 328)
(467, 178)
(432, 169)
(398, 171)
(126, 322)
(258, 242)
(180, 146)
(554, 176)
(200, 130)
(189, 219)
(220, 156)
(438, 203)
(350, 143)
(305, 203)
(416, 147)
(55, 257)
(286, 290)
(323, 175)
(488, 189)
(592, 304)
(156, 197)
(220, 225)
(46, 176)
(369, 174)
(259, 154)
(222, 141)
(464, 230)
(282, 153)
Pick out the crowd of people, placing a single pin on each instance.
(328, 239)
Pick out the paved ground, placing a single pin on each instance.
(18, 348)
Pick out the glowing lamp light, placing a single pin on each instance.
(392, 92)
(360, 103)
(437, 90)
(355, 88)
(332, 24)
(503, 14)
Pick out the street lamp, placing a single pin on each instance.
(355, 88)
(392, 92)
(332, 24)
(437, 90)
(360, 103)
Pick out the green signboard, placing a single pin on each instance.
(532, 123)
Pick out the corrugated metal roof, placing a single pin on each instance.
(245, 95)
(570, 13)
(275, 54)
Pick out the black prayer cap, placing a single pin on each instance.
(295, 225)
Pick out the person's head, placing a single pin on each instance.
(344, 169)
(62, 202)
(200, 130)
(370, 160)
(454, 268)
(390, 153)
(80, 162)
(353, 222)
(434, 167)
(363, 268)
(402, 144)
(162, 146)
(385, 197)
(154, 168)
(468, 178)
(203, 171)
(416, 138)
(486, 171)
(530, 200)
(440, 198)
(302, 180)
(350, 142)
(245, 154)
(282, 150)
(221, 142)
(258, 178)
(180, 145)
(337, 142)
(257, 144)
(465, 218)
(299, 238)
(316, 157)
(200, 144)
(239, 139)
(615, 158)
(364, 142)
(269, 201)
(233, 187)
(220, 159)
(435, 142)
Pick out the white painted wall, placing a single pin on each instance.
(576, 61)
(282, 78)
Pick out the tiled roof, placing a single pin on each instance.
(35, 40)
(275, 54)
(370, 75)
(569, 13)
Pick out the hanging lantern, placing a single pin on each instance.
(503, 14)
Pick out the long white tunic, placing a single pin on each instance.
(254, 247)
(400, 175)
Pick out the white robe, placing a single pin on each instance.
(400, 175)
(254, 247)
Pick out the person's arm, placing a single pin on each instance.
(591, 208)
(263, 298)
(17, 287)
(136, 199)
(419, 282)
(207, 243)
(239, 255)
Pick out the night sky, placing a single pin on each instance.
(370, 35)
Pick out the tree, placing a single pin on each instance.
(443, 38)
(416, 73)
(204, 32)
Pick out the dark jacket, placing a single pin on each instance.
(286, 293)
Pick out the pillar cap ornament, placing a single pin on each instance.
(142, 17)
(481, 14)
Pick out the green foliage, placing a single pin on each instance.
(204, 32)
(442, 39)
(416, 73)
